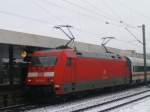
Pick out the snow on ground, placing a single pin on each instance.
(139, 106)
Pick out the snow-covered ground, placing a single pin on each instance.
(139, 106)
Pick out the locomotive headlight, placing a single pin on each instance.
(24, 54)
(32, 74)
(49, 74)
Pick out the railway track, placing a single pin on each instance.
(116, 103)
(28, 106)
(17, 108)
(97, 103)
(100, 103)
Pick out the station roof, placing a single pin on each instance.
(26, 39)
(19, 38)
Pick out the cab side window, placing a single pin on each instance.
(69, 62)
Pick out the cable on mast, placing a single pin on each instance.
(133, 35)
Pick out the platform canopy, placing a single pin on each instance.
(19, 38)
(26, 39)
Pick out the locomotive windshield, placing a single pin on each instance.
(44, 61)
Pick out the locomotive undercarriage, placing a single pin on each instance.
(39, 91)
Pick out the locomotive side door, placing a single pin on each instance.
(70, 74)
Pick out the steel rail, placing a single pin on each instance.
(115, 100)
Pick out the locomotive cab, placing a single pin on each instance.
(67, 71)
(41, 70)
(51, 69)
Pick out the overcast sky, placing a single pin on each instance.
(88, 18)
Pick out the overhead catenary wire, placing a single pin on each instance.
(106, 22)
(132, 42)
(97, 10)
(39, 20)
(87, 31)
(131, 32)
(119, 17)
(84, 14)
(47, 11)
(112, 20)
(67, 9)
(24, 17)
(120, 21)
(90, 11)
(112, 10)
(126, 28)
(127, 42)
(133, 35)
(137, 12)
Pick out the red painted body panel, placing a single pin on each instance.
(99, 69)
(82, 69)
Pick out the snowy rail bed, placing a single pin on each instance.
(139, 106)
(99, 103)
(116, 103)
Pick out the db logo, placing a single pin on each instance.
(104, 72)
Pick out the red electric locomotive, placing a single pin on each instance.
(66, 70)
